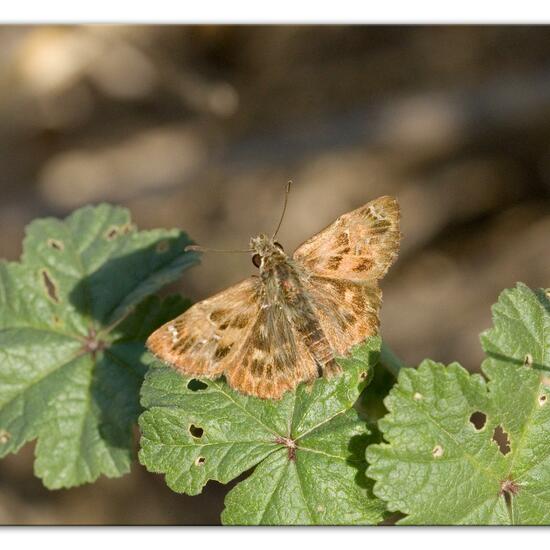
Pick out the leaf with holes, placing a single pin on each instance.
(308, 448)
(74, 314)
(465, 451)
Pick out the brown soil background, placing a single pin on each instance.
(201, 127)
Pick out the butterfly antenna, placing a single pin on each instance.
(284, 209)
(197, 248)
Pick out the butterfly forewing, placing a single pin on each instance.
(359, 245)
(208, 338)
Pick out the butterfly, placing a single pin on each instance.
(287, 325)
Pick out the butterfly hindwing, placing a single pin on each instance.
(348, 311)
(273, 359)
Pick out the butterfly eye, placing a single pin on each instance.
(280, 246)
(257, 260)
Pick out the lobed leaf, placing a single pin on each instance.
(307, 448)
(73, 317)
(465, 451)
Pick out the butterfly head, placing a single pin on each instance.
(266, 250)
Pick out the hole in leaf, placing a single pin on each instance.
(528, 360)
(200, 461)
(543, 398)
(54, 243)
(196, 385)
(116, 230)
(5, 436)
(195, 431)
(437, 451)
(112, 232)
(363, 376)
(500, 437)
(49, 285)
(478, 419)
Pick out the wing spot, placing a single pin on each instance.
(350, 319)
(339, 286)
(279, 361)
(334, 262)
(382, 227)
(261, 343)
(173, 333)
(257, 367)
(184, 345)
(218, 315)
(240, 321)
(342, 239)
(358, 302)
(222, 351)
(364, 265)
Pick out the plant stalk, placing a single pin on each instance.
(390, 361)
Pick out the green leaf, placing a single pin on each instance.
(73, 318)
(443, 466)
(308, 448)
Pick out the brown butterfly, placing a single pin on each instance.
(287, 325)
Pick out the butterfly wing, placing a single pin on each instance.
(347, 311)
(274, 359)
(237, 334)
(207, 339)
(344, 262)
(249, 336)
(359, 245)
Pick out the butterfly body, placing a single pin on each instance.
(269, 333)
(285, 285)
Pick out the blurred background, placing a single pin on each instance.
(200, 127)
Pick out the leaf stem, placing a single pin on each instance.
(390, 361)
